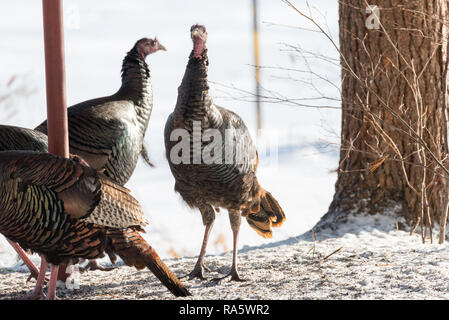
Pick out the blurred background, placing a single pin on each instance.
(298, 145)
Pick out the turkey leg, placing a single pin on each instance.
(38, 292)
(235, 219)
(208, 215)
(199, 268)
(51, 293)
(30, 265)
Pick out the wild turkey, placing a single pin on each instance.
(229, 181)
(108, 132)
(65, 210)
(19, 138)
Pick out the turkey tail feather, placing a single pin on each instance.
(136, 252)
(268, 214)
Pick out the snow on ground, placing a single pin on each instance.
(373, 261)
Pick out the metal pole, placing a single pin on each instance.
(256, 63)
(58, 138)
(57, 126)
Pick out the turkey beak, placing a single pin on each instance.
(161, 47)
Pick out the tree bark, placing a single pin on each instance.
(392, 79)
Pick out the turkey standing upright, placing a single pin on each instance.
(229, 181)
(108, 132)
(65, 210)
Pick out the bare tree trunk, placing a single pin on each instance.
(392, 119)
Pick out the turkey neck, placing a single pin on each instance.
(194, 102)
(136, 85)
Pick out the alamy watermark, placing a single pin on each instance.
(72, 281)
(373, 20)
(72, 15)
(212, 146)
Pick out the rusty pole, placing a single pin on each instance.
(57, 126)
(58, 138)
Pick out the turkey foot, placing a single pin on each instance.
(35, 295)
(34, 275)
(233, 274)
(38, 292)
(197, 272)
(94, 265)
(199, 268)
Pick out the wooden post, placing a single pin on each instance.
(257, 70)
(57, 126)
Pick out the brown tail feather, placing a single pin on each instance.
(136, 252)
(266, 213)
